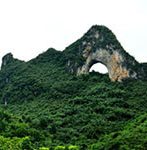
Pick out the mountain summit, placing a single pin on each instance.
(99, 44)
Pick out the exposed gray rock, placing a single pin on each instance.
(99, 44)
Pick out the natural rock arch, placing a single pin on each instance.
(113, 62)
(99, 44)
(99, 67)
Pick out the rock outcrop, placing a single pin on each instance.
(7, 59)
(99, 44)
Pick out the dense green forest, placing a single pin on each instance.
(44, 107)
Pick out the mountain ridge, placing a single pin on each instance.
(98, 44)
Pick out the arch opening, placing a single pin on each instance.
(99, 67)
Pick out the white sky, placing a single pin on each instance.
(29, 27)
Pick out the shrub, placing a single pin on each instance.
(43, 148)
(72, 147)
(60, 148)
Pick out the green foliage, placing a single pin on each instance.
(43, 148)
(14, 143)
(133, 136)
(60, 148)
(47, 107)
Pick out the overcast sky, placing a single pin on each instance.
(29, 27)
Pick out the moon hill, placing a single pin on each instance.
(98, 45)
(54, 102)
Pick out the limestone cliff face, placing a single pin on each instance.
(115, 62)
(99, 44)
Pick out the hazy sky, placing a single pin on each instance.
(29, 27)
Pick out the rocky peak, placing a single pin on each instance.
(101, 37)
(7, 59)
(99, 44)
